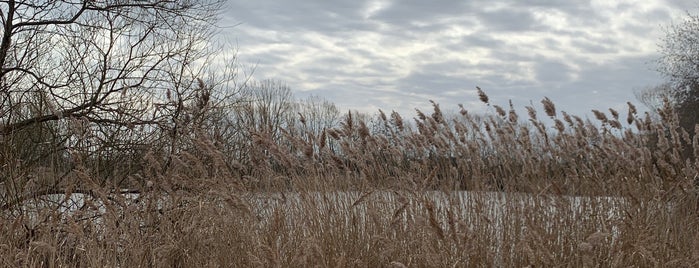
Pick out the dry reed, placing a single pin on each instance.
(443, 191)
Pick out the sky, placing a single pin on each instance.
(398, 55)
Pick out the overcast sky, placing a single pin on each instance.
(398, 55)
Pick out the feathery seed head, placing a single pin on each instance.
(500, 111)
(600, 116)
(549, 107)
(614, 113)
(482, 96)
(531, 112)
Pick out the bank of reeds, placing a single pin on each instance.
(440, 190)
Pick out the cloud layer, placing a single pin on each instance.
(397, 55)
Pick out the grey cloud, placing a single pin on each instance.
(509, 20)
(323, 62)
(606, 86)
(411, 15)
(300, 15)
(689, 5)
(428, 82)
(448, 76)
(656, 15)
(269, 60)
(625, 73)
(478, 40)
(404, 12)
(606, 46)
(553, 72)
(381, 68)
(359, 76)
(580, 9)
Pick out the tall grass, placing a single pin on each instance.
(438, 191)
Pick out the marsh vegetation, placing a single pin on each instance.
(122, 144)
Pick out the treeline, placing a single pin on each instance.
(260, 137)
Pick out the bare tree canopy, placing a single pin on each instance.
(95, 60)
(653, 97)
(96, 84)
(679, 49)
(679, 62)
(268, 102)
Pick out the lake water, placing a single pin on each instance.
(482, 211)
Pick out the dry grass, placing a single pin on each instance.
(459, 191)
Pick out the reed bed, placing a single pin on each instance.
(440, 190)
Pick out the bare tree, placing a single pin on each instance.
(96, 79)
(267, 106)
(318, 114)
(87, 59)
(653, 97)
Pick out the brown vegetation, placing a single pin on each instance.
(387, 193)
(121, 145)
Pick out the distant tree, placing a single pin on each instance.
(679, 62)
(311, 118)
(653, 97)
(318, 113)
(265, 109)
